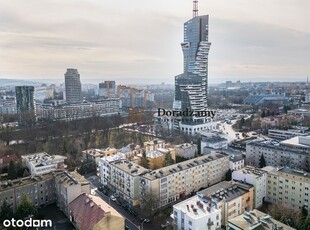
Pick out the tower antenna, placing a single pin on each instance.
(195, 8)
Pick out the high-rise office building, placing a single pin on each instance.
(191, 86)
(107, 89)
(73, 86)
(25, 105)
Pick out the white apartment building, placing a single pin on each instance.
(172, 182)
(286, 134)
(213, 142)
(125, 180)
(236, 162)
(197, 213)
(255, 177)
(41, 163)
(288, 186)
(104, 167)
(230, 198)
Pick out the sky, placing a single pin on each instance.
(139, 40)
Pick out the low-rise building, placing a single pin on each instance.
(93, 155)
(255, 177)
(89, 212)
(153, 145)
(255, 219)
(186, 150)
(288, 186)
(41, 163)
(68, 186)
(213, 143)
(231, 198)
(197, 213)
(175, 181)
(236, 162)
(5, 160)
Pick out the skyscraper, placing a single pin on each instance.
(25, 104)
(191, 87)
(73, 86)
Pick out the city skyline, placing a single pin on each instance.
(250, 41)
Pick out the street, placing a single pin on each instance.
(134, 222)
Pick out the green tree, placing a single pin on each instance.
(12, 174)
(228, 175)
(262, 161)
(6, 211)
(25, 208)
(26, 173)
(144, 161)
(168, 159)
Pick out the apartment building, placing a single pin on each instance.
(172, 182)
(42, 163)
(292, 152)
(236, 162)
(186, 150)
(286, 134)
(125, 180)
(94, 155)
(39, 189)
(197, 213)
(231, 199)
(153, 145)
(288, 186)
(68, 112)
(104, 167)
(255, 177)
(68, 186)
(255, 219)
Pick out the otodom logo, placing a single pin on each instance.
(30, 223)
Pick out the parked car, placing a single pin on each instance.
(113, 198)
(125, 206)
(127, 227)
(146, 220)
(133, 212)
(118, 203)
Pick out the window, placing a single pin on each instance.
(190, 223)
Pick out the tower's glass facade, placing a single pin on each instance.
(191, 86)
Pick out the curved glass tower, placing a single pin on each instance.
(191, 87)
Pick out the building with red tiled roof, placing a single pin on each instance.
(88, 212)
(5, 160)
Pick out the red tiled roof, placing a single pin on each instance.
(7, 158)
(85, 212)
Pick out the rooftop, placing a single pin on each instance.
(298, 141)
(153, 142)
(42, 159)
(70, 178)
(252, 171)
(7, 158)
(165, 171)
(286, 170)
(4, 185)
(197, 207)
(129, 167)
(154, 154)
(213, 139)
(236, 158)
(257, 220)
(225, 190)
(273, 144)
(185, 146)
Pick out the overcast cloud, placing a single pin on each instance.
(105, 40)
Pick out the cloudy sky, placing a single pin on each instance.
(129, 40)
